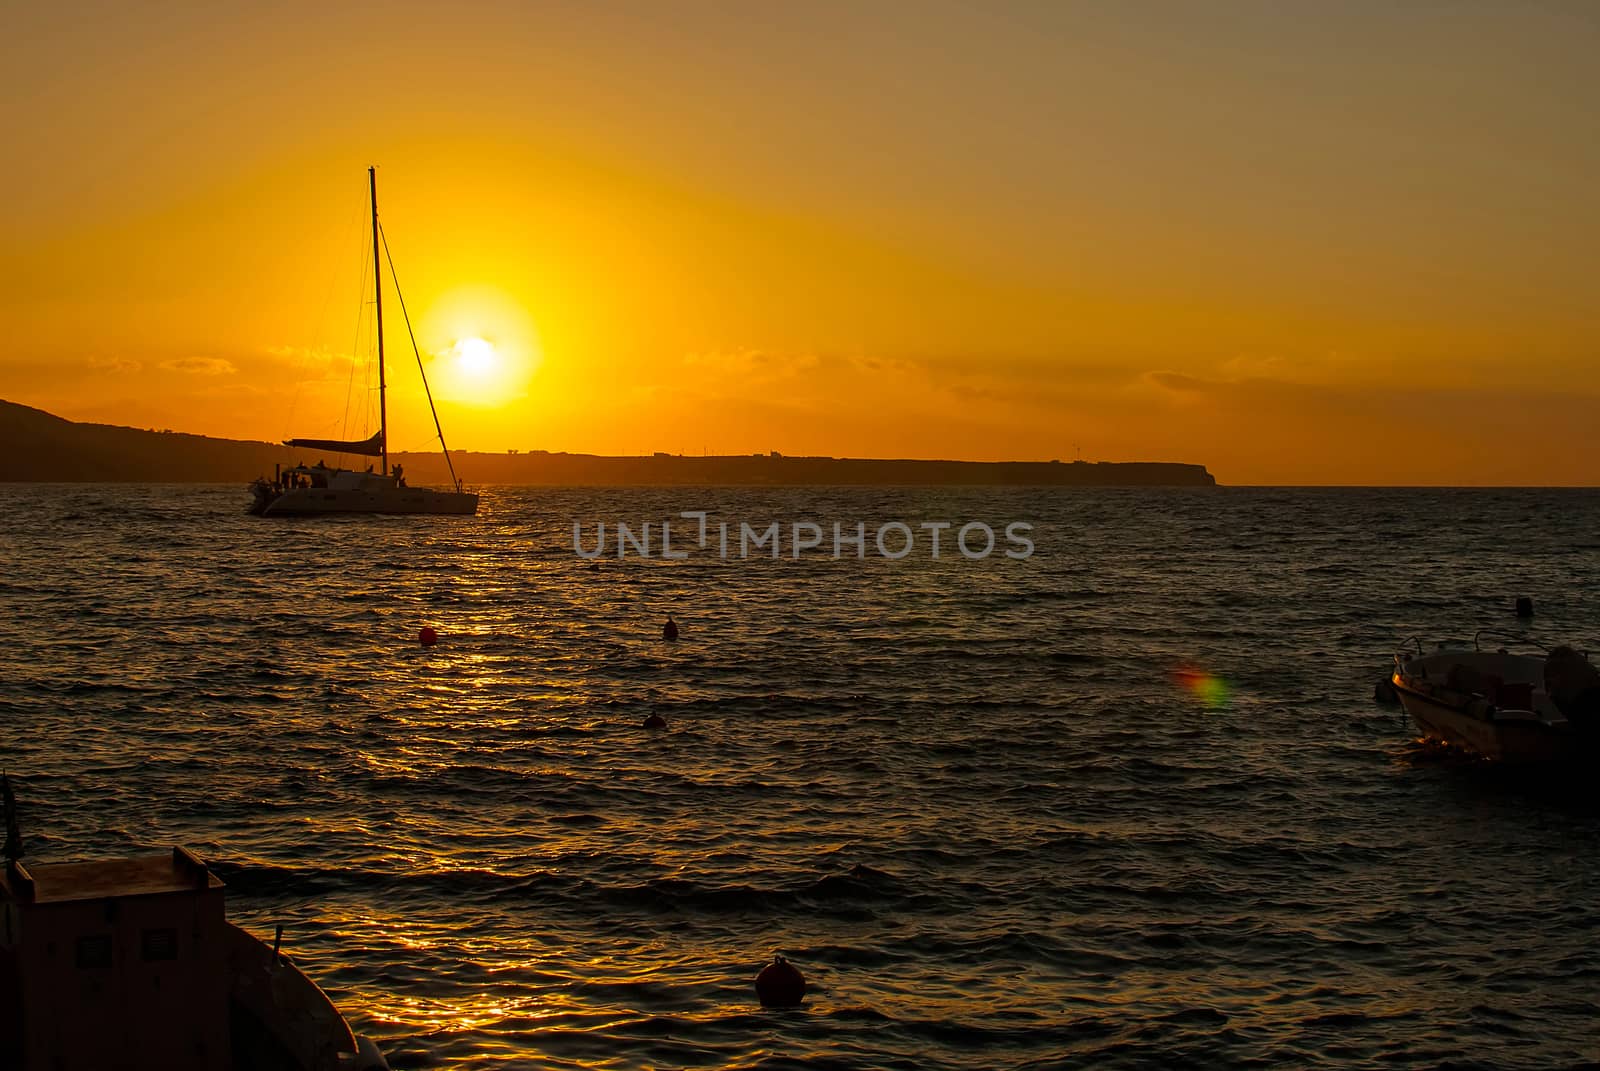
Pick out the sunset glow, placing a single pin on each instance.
(975, 536)
(1065, 228)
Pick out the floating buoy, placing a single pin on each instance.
(428, 637)
(1524, 606)
(669, 631)
(780, 984)
(655, 721)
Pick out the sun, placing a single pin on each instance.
(476, 356)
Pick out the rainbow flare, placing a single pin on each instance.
(1211, 690)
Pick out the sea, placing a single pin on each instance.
(1125, 801)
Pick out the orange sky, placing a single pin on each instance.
(1297, 242)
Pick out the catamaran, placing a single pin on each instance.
(312, 489)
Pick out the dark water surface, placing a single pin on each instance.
(967, 798)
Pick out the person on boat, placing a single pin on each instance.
(1574, 686)
(399, 476)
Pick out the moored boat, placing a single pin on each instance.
(132, 963)
(1505, 706)
(308, 490)
(305, 490)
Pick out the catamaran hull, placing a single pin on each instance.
(315, 501)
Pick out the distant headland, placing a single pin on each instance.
(36, 446)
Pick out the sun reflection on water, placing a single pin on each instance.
(951, 791)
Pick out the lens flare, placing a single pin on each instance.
(1209, 689)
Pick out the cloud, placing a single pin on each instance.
(1179, 383)
(1325, 367)
(114, 365)
(953, 390)
(200, 366)
(304, 358)
(753, 365)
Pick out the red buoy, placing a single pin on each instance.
(428, 637)
(655, 721)
(780, 984)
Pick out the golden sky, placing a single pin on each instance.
(1298, 242)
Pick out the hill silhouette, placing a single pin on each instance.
(37, 446)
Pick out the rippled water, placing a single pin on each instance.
(968, 799)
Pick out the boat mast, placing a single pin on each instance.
(377, 289)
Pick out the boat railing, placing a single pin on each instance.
(1500, 634)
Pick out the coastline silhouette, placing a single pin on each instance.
(40, 447)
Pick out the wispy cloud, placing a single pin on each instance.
(752, 366)
(114, 365)
(1178, 383)
(320, 365)
(200, 366)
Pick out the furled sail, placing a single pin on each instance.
(372, 447)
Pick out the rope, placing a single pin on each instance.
(355, 347)
(428, 390)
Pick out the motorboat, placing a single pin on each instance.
(1501, 705)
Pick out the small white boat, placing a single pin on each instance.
(1514, 708)
(316, 489)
